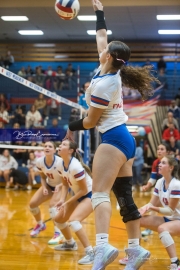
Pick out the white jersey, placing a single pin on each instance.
(53, 178)
(74, 173)
(164, 195)
(105, 92)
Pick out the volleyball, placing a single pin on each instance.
(67, 9)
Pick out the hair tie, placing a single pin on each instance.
(121, 60)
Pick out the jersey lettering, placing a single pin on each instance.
(68, 181)
(117, 106)
(165, 201)
(50, 175)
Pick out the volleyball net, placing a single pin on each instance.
(82, 138)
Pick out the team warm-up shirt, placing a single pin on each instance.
(164, 195)
(53, 178)
(105, 92)
(74, 173)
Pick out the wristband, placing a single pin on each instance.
(76, 125)
(100, 23)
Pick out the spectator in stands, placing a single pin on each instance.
(40, 104)
(147, 63)
(8, 60)
(39, 153)
(1, 61)
(21, 155)
(54, 123)
(4, 116)
(169, 120)
(138, 165)
(22, 72)
(33, 171)
(33, 118)
(161, 64)
(39, 77)
(16, 126)
(19, 117)
(7, 162)
(53, 108)
(169, 132)
(177, 98)
(49, 77)
(18, 178)
(162, 78)
(71, 69)
(58, 81)
(82, 99)
(4, 101)
(173, 147)
(69, 77)
(29, 71)
(174, 109)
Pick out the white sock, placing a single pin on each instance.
(102, 238)
(40, 222)
(70, 241)
(174, 260)
(57, 230)
(132, 243)
(88, 249)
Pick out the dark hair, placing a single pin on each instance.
(73, 145)
(137, 78)
(166, 146)
(174, 162)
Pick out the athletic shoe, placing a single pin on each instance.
(104, 255)
(174, 266)
(123, 261)
(88, 258)
(37, 230)
(66, 246)
(146, 232)
(136, 257)
(29, 187)
(58, 238)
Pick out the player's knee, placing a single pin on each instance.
(62, 225)
(34, 210)
(166, 239)
(98, 198)
(53, 212)
(122, 189)
(75, 225)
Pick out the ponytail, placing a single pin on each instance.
(176, 164)
(139, 78)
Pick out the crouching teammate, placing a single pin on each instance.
(51, 181)
(166, 194)
(75, 175)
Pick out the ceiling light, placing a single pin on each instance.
(14, 18)
(44, 45)
(30, 32)
(169, 32)
(86, 18)
(168, 17)
(93, 32)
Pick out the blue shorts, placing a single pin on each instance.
(166, 219)
(52, 188)
(122, 139)
(88, 195)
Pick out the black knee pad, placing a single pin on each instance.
(122, 189)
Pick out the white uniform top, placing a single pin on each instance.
(75, 172)
(164, 195)
(53, 178)
(105, 92)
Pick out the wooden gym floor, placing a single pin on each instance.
(18, 251)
